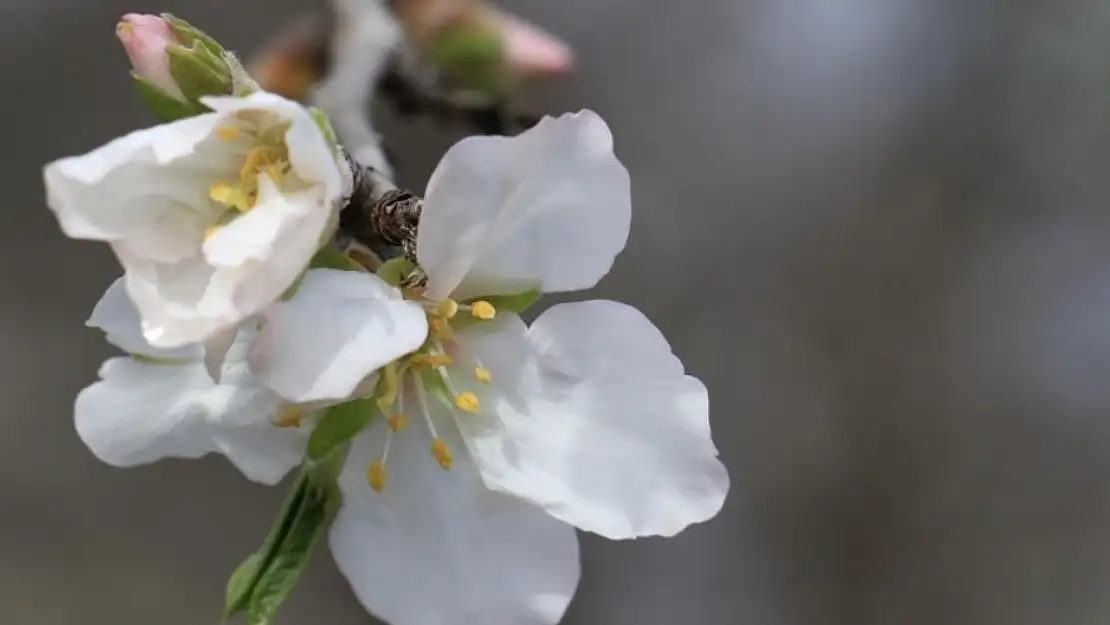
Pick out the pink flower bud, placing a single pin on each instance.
(145, 38)
(532, 52)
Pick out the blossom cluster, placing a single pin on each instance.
(482, 441)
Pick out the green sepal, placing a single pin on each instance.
(433, 382)
(158, 360)
(395, 270)
(338, 425)
(331, 258)
(186, 33)
(193, 76)
(163, 105)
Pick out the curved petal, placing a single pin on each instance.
(244, 428)
(604, 430)
(548, 209)
(116, 315)
(124, 186)
(437, 548)
(338, 329)
(139, 412)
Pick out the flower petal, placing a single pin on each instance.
(338, 329)
(116, 315)
(244, 429)
(437, 548)
(548, 209)
(139, 412)
(124, 186)
(604, 430)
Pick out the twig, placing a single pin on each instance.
(364, 38)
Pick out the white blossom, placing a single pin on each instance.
(497, 439)
(155, 404)
(213, 217)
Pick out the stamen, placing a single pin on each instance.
(211, 230)
(483, 375)
(376, 475)
(442, 453)
(389, 388)
(227, 132)
(432, 360)
(397, 422)
(446, 309)
(288, 417)
(467, 402)
(483, 310)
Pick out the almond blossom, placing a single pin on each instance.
(213, 217)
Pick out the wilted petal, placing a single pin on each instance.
(338, 329)
(603, 428)
(438, 548)
(548, 209)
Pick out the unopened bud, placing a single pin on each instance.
(176, 64)
(145, 38)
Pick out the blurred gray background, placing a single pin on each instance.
(877, 229)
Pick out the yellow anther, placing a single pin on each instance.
(397, 421)
(442, 453)
(447, 309)
(376, 475)
(276, 171)
(483, 310)
(256, 159)
(288, 417)
(483, 375)
(221, 192)
(125, 28)
(467, 401)
(227, 132)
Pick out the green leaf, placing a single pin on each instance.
(163, 105)
(331, 258)
(340, 424)
(241, 584)
(239, 596)
(395, 270)
(193, 76)
(293, 554)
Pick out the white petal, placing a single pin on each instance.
(125, 185)
(438, 548)
(603, 429)
(116, 315)
(139, 412)
(339, 328)
(547, 209)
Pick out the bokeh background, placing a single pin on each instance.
(877, 229)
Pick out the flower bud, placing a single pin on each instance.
(145, 38)
(176, 64)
